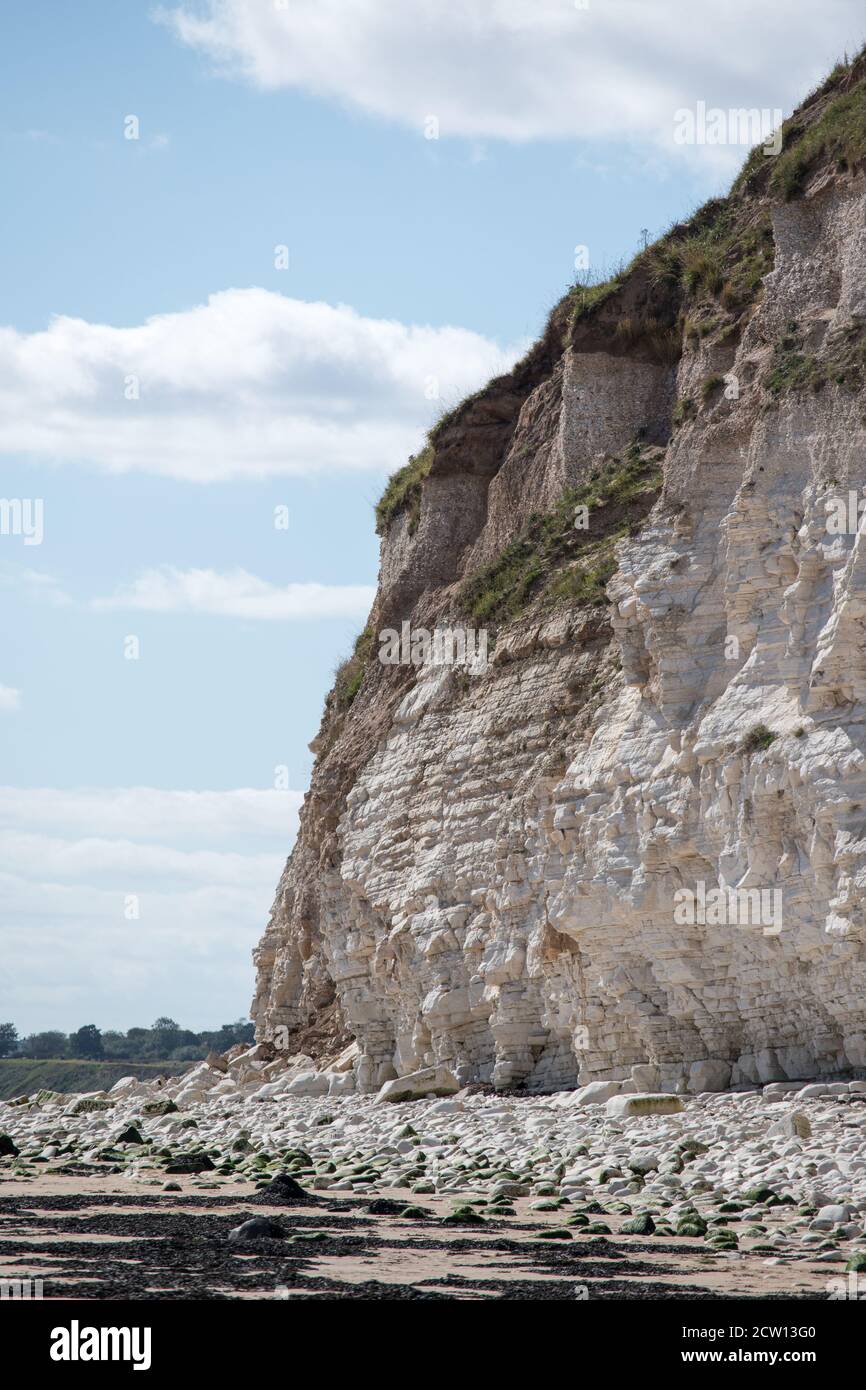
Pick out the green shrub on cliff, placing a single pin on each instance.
(403, 492)
(350, 673)
(556, 557)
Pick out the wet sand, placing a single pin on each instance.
(112, 1237)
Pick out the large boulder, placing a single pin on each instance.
(129, 1135)
(128, 1086)
(190, 1095)
(793, 1126)
(159, 1107)
(648, 1104)
(46, 1097)
(89, 1104)
(244, 1062)
(190, 1163)
(225, 1088)
(202, 1076)
(270, 1090)
(711, 1074)
(430, 1081)
(308, 1083)
(595, 1093)
(830, 1216)
(340, 1083)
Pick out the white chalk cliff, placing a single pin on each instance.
(488, 858)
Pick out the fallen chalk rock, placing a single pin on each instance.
(89, 1105)
(643, 1164)
(644, 1105)
(158, 1107)
(596, 1093)
(431, 1081)
(709, 1075)
(793, 1126)
(831, 1216)
(507, 1188)
(309, 1083)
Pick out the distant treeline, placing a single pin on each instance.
(165, 1041)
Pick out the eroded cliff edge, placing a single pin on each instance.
(487, 863)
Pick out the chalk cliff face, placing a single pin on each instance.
(491, 859)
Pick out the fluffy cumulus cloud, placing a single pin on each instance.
(527, 69)
(249, 384)
(238, 594)
(133, 902)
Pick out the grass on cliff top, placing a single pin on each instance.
(552, 556)
(721, 263)
(726, 248)
(838, 135)
(403, 492)
(586, 296)
(830, 125)
(349, 675)
(706, 273)
(713, 264)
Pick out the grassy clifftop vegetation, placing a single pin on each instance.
(707, 272)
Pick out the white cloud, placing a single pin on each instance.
(249, 384)
(10, 699)
(527, 69)
(125, 863)
(39, 585)
(203, 867)
(70, 956)
(147, 814)
(238, 594)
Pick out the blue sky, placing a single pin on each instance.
(152, 261)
